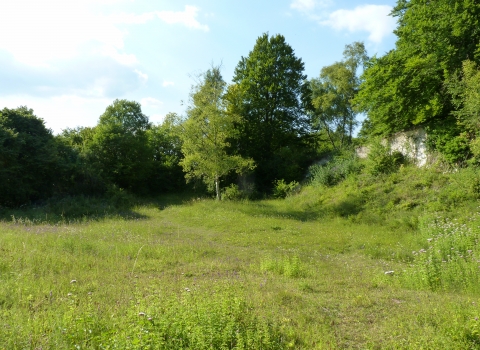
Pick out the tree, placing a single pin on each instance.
(84, 177)
(166, 146)
(269, 93)
(119, 148)
(333, 93)
(207, 131)
(465, 89)
(29, 165)
(406, 87)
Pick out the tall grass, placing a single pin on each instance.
(450, 259)
(306, 272)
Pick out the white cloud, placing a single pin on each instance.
(373, 19)
(303, 5)
(151, 102)
(143, 76)
(42, 31)
(39, 33)
(309, 5)
(131, 18)
(188, 18)
(167, 83)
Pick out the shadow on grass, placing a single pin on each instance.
(263, 209)
(353, 205)
(350, 206)
(75, 209)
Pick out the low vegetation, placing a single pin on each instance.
(376, 261)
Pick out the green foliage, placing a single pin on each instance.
(84, 178)
(449, 261)
(32, 164)
(119, 148)
(198, 321)
(207, 132)
(192, 320)
(465, 89)
(165, 144)
(333, 93)
(287, 266)
(448, 139)
(335, 170)
(406, 86)
(270, 93)
(281, 189)
(233, 193)
(382, 160)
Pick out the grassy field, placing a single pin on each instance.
(313, 271)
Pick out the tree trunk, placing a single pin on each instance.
(217, 187)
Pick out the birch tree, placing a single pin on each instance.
(207, 132)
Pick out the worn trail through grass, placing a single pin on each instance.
(221, 275)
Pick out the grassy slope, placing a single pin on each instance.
(311, 267)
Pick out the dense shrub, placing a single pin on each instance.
(282, 189)
(31, 166)
(335, 170)
(232, 192)
(382, 160)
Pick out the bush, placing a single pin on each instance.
(334, 171)
(232, 193)
(282, 189)
(382, 160)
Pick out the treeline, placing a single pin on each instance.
(270, 123)
(264, 128)
(124, 151)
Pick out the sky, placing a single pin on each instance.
(69, 59)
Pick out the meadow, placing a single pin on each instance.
(389, 262)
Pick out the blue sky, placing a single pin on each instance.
(69, 59)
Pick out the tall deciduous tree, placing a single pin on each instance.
(207, 132)
(333, 93)
(269, 91)
(165, 143)
(119, 147)
(30, 168)
(406, 86)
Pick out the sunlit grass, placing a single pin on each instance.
(287, 273)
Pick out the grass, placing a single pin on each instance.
(307, 272)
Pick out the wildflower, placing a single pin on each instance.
(187, 289)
